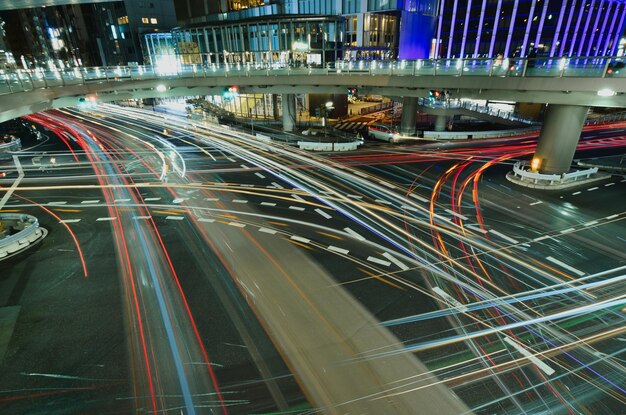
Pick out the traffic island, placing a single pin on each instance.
(18, 232)
(524, 176)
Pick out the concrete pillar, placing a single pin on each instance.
(440, 122)
(559, 136)
(409, 115)
(275, 107)
(289, 112)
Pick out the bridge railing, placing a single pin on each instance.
(18, 80)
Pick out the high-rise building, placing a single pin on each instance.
(84, 33)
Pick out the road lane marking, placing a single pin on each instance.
(174, 217)
(576, 193)
(384, 202)
(389, 185)
(232, 160)
(355, 196)
(458, 215)
(276, 185)
(592, 189)
(237, 224)
(239, 201)
(337, 249)
(609, 184)
(266, 230)
(540, 364)
(178, 200)
(300, 239)
(268, 204)
(503, 236)
(354, 234)
(296, 208)
(612, 217)
(408, 207)
(297, 197)
(395, 261)
(151, 199)
(259, 175)
(378, 261)
(541, 238)
(89, 202)
(110, 218)
(418, 197)
(211, 199)
(243, 166)
(564, 231)
(593, 222)
(56, 203)
(142, 217)
(565, 266)
(322, 213)
(536, 203)
(69, 221)
(438, 216)
(206, 220)
(450, 300)
(477, 228)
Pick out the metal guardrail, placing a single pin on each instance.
(25, 237)
(620, 116)
(18, 80)
(536, 177)
(376, 108)
(464, 135)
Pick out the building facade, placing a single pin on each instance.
(488, 28)
(83, 34)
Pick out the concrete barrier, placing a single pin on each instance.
(469, 135)
(29, 234)
(317, 146)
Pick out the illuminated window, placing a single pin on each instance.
(153, 20)
(145, 20)
(122, 20)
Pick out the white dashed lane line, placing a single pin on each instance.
(69, 221)
(420, 198)
(378, 261)
(322, 213)
(206, 220)
(536, 203)
(142, 217)
(592, 189)
(276, 185)
(268, 204)
(106, 219)
(259, 175)
(395, 261)
(612, 217)
(541, 238)
(211, 199)
(174, 217)
(300, 239)
(239, 201)
(564, 231)
(384, 202)
(477, 228)
(266, 230)
(609, 184)
(297, 197)
(298, 208)
(89, 202)
(565, 266)
(151, 199)
(593, 222)
(389, 185)
(354, 234)
(337, 249)
(503, 236)
(237, 224)
(56, 203)
(458, 215)
(179, 200)
(576, 193)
